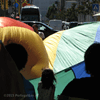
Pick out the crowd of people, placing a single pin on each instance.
(85, 88)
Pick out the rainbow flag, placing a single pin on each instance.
(66, 53)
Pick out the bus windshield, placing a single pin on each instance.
(30, 11)
(30, 14)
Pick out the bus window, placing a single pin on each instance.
(30, 13)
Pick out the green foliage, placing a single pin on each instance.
(51, 12)
(61, 15)
(86, 7)
(55, 13)
(95, 1)
(72, 13)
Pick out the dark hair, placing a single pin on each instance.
(34, 25)
(18, 54)
(47, 78)
(92, 61)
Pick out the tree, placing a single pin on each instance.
(56, 13)
(72, 13)
(95, 1)
(52, 11)
(86, 7)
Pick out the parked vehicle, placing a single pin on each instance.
(56, 24)
(73, 24)
(82, 23)
(30, 13)
(65, 25)
(42, 27)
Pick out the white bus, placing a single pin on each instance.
(30, 13)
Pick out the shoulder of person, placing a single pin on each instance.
(76, 84)
(81, 81)
(77, 81)
(69, 86)
(40, 32)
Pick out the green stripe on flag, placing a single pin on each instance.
(73, 44)
(63, 78)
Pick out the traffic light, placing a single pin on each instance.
(2, 4)
(6, 4)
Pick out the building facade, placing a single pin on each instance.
(68, 3)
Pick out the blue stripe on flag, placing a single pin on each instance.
(79, 70)
(97, 38)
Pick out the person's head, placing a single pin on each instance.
(18, 54)
(35, 27)
(92, 61)
(48, 78)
